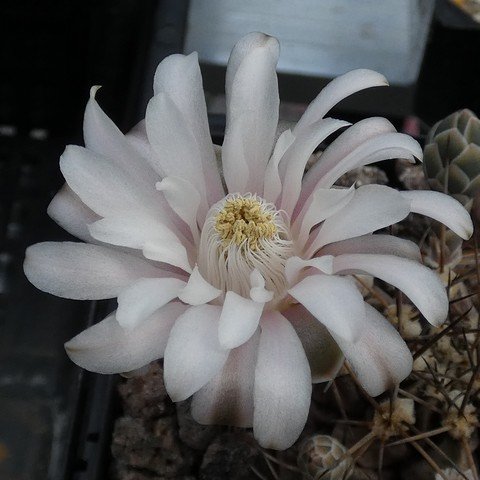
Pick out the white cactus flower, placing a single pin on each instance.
(239, 278)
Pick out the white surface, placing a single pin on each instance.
(318, 37)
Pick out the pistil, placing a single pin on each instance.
(244, 221)
(243, 233)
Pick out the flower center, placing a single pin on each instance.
(242, 233)
(244, 221)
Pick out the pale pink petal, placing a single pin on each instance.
(138, 301)
(137, 138)
(227, 399)
(347, 142)
(72, 214)
(156, 241)
(379, 358)
(272, 184)
(282, 384)
(105, 187)
(373, 207)
(242, 48)
(124, 155)
(172, 141)
(174, 148)
(179, 77)
(442, 208)
(324, 355)
(382, 147)
(295, 265)
(83, 272)
(333, 301)
(234, 156)
(108, 348)
(323, 203)
(422, 285)
(258, 292)
(378, 243)
(293, 163)
(338, 89)
(193, 355)
(130, 230)
(252, 112)
(104, 138)
(239, 320)
(172, 253)
(184, 200)
(198, 291)
(116, 166)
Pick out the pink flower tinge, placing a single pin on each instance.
(239, 277)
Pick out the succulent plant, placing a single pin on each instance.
(452, 156)
(322, 456)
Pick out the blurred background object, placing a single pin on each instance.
(448, 77)
(471, 7)
(452, 156)
(387, 36)
(56, 419)
(318, 42)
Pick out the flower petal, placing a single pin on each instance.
(324, 356)
(442, 208)
(72, 214)
(239, 320)
(373, 207)
(258, 292)
(379, 358)
(193, 355)
(198, 291)
(131, 230)
(294, 161)
(252, 112)
(382, 147)
(234, 155)
(172, 141)
(346, 142)
(174, 148)
(282, 384)
(108, 348)
(184, 200)
(272, 185)
(294, 265)
(333, 301)
(105, 187)
(338, 89)
(180, 78)
(83, 272)
(419, 283)
(137, 138)
(153, 239)
(242, 48)
(156, 241)
(227, 399)
(172, 253)
(377, 243)
(324, 203)
(113, 189)
(137, 302)
(104, 138)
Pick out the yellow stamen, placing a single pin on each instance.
(244, 220)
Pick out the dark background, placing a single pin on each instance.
(55, 420)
